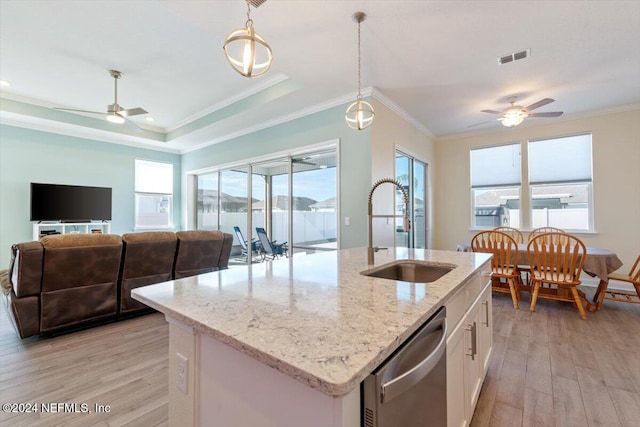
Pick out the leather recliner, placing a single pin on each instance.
(201, 251)
(147, 258)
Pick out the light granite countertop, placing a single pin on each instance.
(313, 317)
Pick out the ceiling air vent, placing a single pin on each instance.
(256, 3)
(514, 57)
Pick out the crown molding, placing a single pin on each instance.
(59, 128)
(335, 102)
(387, 102)
(257, 88)
(46, 104)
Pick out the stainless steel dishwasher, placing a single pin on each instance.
(409, 389)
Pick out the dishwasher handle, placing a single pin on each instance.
(400, 384)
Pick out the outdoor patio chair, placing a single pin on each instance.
(255, 246)
(271, 249)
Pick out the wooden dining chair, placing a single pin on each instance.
(513, 232)
(519, 238)
(542, 230)
(633, 277)
(556, 259)
(504, 264)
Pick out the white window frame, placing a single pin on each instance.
(526, 186)
(503, 185)
(588, 181)
(140, 192)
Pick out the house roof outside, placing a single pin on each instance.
(565, 194)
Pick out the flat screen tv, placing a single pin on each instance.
(69, 203)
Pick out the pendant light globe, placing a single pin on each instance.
(247, 52)
(359, 115)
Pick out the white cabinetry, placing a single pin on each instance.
(468, 347)
(40, 228)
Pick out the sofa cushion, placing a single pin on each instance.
(147, 258)
(74, 260)
(76, 240)
(68, 307)
(198, 252)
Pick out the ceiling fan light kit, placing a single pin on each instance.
(360, 114)
(115, 113)
(247, 52)
(115, 118)
(515, 114)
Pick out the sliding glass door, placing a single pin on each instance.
(412, 174)
(270, 195)
(207, 201)
(314, 183)
(233, 201)
(293, 198)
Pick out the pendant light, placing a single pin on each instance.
(247, 52)
(360, 114)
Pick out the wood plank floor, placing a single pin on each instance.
(551, 368)
(548, 368)
(123, 365)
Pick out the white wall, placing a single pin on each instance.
(28, 155)
(616, 179)
(390, 131)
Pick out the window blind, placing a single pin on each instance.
(496, 166)
(153, 177)
(558, 160)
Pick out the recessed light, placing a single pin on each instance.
(149, 119)
(4, 83)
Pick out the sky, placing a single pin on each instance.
(317, 184)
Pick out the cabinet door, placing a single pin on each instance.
(456, 396)
(472, 377)
(485, 330)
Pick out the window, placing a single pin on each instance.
(495, 186)
(560, 183)
(154, 194)
(294, 198)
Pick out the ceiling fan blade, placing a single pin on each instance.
(482, 123)
(79, 111)
(549, 114)
(131, 125)
(132, 112)
(539, 104)
(491, 111)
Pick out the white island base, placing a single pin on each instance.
(225, 387)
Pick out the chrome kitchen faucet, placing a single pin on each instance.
(407, 221)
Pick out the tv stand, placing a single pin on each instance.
(41, 229)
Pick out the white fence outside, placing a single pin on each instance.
(307, 226)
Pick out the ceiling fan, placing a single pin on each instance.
(515, 114)
(115, 113)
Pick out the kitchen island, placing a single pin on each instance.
(287, 343)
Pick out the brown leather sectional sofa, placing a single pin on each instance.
(63, 282)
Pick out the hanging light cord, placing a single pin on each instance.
(249, 22)
(359, 90)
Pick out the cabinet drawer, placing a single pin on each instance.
(466, 295)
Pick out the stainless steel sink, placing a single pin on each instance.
(410, 271)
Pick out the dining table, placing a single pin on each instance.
(599, 262)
